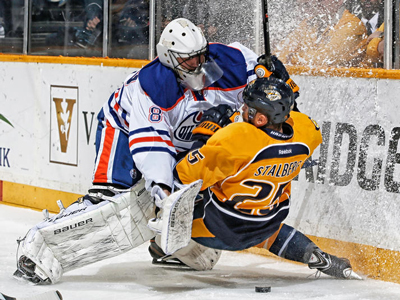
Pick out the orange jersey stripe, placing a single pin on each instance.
(150, 139)
(102, 168)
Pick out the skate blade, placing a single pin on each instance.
(22, 277)
(169, 263)
(354, 275)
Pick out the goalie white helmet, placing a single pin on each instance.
(183, 48)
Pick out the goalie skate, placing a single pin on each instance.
(27, 270)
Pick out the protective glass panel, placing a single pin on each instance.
(66, 27)
(396, 51)
(339, 33)
(221, 21)
(11, 26)
(129, 35)
(327, 33)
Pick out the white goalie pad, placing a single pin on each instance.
(175, 224)
(85, 233)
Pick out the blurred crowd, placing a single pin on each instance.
(342, 33)
(78, 22)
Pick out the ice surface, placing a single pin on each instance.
(132, 276)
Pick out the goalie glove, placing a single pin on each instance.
(212, 120)
(278, 70)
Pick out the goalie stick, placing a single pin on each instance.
(51, 295)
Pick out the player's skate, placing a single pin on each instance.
(193, 256)
(332, 265)
(27, 270)
(159, 257)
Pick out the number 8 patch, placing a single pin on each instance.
(155, 114)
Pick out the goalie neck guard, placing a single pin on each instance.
(271, 97)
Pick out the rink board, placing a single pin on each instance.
(349, 200)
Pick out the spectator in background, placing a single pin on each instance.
(5, 18)
(200, 13)
(376, 44)
(131, 26)
(333, 36)
(318, 40)
(133, 23)
(376, 47)
(370, 12)
(2, 20)
(92, 28)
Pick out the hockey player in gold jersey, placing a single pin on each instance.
(247, 169)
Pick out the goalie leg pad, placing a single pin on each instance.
(85, 233)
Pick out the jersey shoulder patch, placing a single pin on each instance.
(160, 84)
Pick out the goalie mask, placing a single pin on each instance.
(184, 49)
(271, 97)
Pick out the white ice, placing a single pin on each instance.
(133, 276)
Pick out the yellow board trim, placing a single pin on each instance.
(137, 63)
(34, 197)
(376, 263)
(95, 61)
(344, 72)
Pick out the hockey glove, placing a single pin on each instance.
(158, 194)
(278, 70)
(212, 120)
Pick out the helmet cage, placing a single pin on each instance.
(205, 74)
(186, 56)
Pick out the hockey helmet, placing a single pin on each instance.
(271, 97)
(184, 40)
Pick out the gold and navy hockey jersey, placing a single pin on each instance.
(247, 174)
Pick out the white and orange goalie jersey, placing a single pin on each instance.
(247, 174)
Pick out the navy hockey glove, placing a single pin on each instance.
(278, 70)
(212, 120)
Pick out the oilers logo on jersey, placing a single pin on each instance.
(184, 131)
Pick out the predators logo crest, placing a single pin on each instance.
(272, 95)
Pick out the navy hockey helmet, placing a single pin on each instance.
(271, 97)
